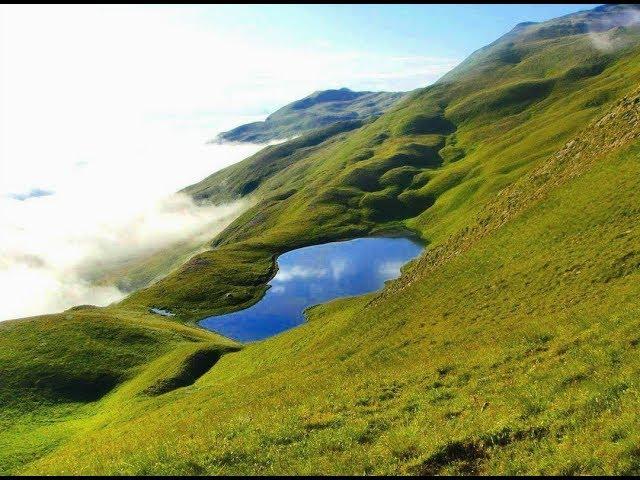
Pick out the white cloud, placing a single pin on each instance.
(142, 88)
(603, 37)
(51, 247)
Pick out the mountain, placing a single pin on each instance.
(320, 109)
(509, 347)
(606, 26)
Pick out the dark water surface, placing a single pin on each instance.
(312, 275)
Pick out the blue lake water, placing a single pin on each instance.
(312, 275)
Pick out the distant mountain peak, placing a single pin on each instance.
(317, 110)
(605, 18)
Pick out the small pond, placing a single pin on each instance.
(312, 275)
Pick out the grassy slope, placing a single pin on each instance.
(61, 374)
(509, 348)
(318, 110)
(512, 350)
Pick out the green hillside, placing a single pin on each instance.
(508, 347)
(318, 110)
(65, 374)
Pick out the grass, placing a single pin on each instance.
(62, 373)
(508, 358)
(241, 180)
(509, 347)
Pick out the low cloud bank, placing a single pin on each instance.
(91, 195)
(76, 210)
(51, 248)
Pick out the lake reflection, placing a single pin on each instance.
(312, 275)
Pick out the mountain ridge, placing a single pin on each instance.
(598, 20)
(317, 110)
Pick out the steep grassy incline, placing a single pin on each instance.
(318, 110)
(510, 351)
(427, 166)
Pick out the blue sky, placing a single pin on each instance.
(447, 30)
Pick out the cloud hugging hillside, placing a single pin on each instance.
(508, 347)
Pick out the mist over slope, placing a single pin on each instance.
(605, 26)
(48, 265)
(88, 232)
(509, 347)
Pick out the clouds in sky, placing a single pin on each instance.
(127, 86)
